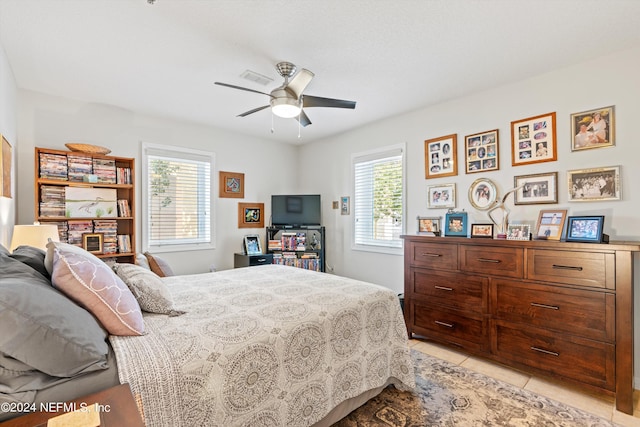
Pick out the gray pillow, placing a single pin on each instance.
(33, 257)
(44, 329)
(149, 289)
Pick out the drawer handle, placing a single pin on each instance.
(448, 325)
(431, 255)
(541, 350)
(262, 260)
(551, 307)
(489, 260)
(443, 288)
(566, 267)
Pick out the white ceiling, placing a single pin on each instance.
(391, 56)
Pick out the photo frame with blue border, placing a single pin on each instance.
(456, 224)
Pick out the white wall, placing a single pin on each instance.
(8, 95)
(609, 80)
(50, 122)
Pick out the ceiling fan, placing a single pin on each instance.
(288, 100)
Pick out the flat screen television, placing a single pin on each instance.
(296, 210)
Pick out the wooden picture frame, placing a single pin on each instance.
(231, 185)
(440, 156)
(481, 151)
(429, 226)
(484, 231)
(5, 168)
(596, 184)
(93, 242)
(550, 224)
(593, 129)
(483, 194)
(536, 188)
(252, 245)
(250, 215)
(533, 140)
(441, 196)
(456, 224)
(586, 229)
(518, 232)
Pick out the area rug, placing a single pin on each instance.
(450, 395)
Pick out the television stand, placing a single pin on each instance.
(297, 246)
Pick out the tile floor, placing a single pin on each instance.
(600, 405)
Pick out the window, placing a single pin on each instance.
(177, 198)
(378, 206)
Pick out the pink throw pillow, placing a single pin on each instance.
(90, 282)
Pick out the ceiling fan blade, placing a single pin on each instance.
(316, 101)
(242, 88)
(299, 82)
(255, 110)
(303, 119)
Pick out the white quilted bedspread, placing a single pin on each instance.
(264, 346)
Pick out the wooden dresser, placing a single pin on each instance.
(555, 308)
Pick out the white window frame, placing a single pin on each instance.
(150, 149)
(380, 153)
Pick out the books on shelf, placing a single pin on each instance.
(124, 243)
(274, 245)
(105, 169)
(78, 167)
(123, 208)
(123, 175)
(52, 200)
(109, 229)
(53, 166)
(76, 229)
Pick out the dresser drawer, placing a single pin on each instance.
(580, 359)
(450, 325)
(590, 314)
(593, 269)
(433, 255)
(492, 261)
(447, 288)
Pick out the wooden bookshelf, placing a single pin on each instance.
(103, 198)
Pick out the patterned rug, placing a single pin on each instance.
(450, 395)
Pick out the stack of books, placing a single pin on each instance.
(109, 229)
(123, 208)
(53, 166)
(77, 229)
(78, 167)
(124, 243)
(105, 169)
(123, 175)
(52, 201)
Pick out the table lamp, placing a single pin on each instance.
(36, 235)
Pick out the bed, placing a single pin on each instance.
(257, 346)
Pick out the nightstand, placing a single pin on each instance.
(117, 407)
(242, 260)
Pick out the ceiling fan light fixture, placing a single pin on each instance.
(285, 107)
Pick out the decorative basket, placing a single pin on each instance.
(87, 148)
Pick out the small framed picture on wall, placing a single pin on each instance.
(440, 158)
(481, 151)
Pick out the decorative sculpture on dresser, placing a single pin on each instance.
(502, 221)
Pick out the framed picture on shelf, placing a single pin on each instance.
(598, 184)
(551, 224)
(518, 232)
(252, 244)
(92, 242)
(481, 151)
(482, 230)
(250, 215)
(441, 196)
(429, 225)
(587, 229)
(533, 140)
(593, 129)
(483, 194)
(231, 185)
(536, 188)
(440, 156)
(455, 224)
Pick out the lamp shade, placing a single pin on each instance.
(34, 235)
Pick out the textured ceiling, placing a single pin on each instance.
(391, 56)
